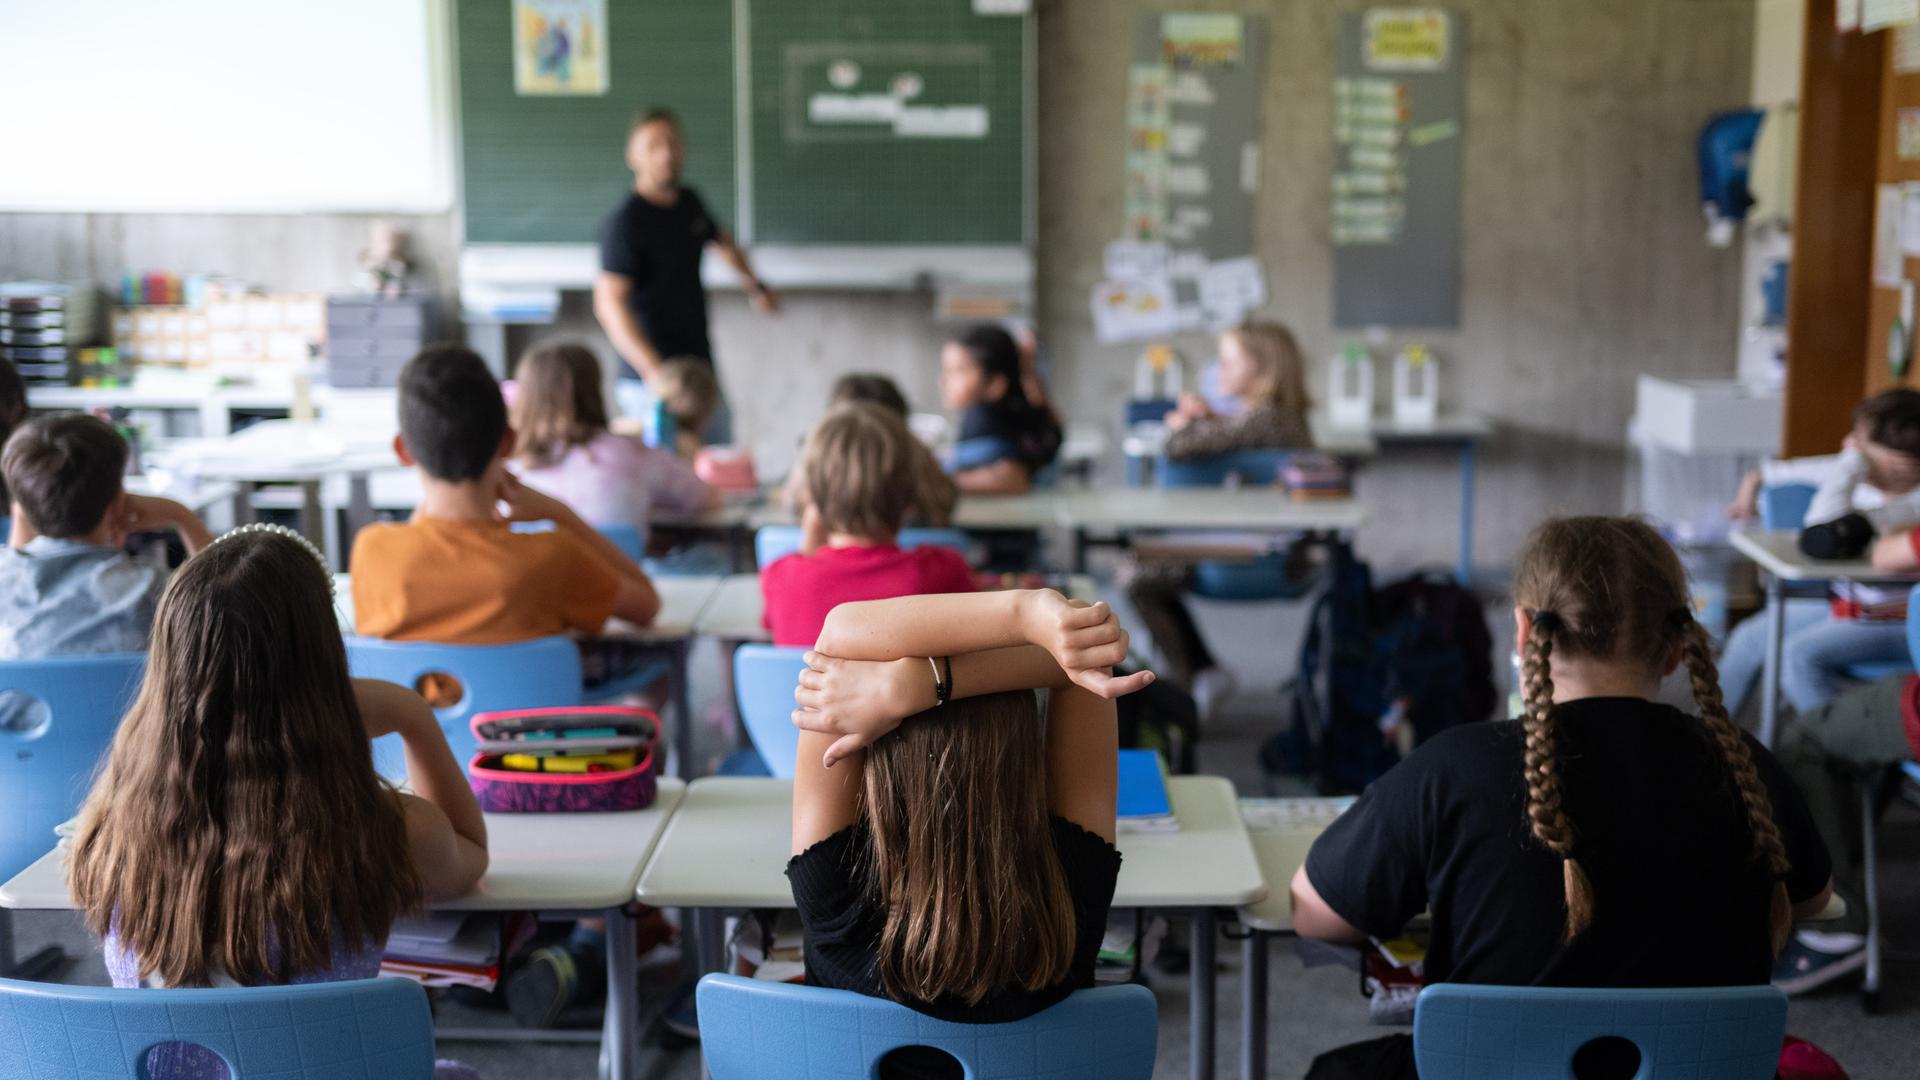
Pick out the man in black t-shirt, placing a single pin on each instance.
(648, 296)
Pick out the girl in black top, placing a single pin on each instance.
(1007, 431)
(961, 861)
(1600, 840)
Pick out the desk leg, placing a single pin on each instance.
(1770, 676)
(1080, 546)
(620, 1038)
(316, 524)
(682, 712)
(243, 513)
(1253, 1005)
(1464, 572)
(1203, 976)
(359, 507)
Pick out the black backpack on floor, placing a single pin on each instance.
(1417, 653)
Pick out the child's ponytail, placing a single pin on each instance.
(1548, 817)
(1769, 850)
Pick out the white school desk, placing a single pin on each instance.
(682, 601)
(1037, 509)
(1461, 430)
(585, 863)
(727, 849)
(737, 605)
(294, 452)
(1788, 572)
(1281, 847)
(1124, 511)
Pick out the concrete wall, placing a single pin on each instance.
(1584, 260)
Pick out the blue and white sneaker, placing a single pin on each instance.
(1802, 967)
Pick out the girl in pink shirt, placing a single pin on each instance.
(566, 450)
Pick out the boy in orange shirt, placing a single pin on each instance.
(457, 573)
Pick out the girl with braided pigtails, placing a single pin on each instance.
(1601, 839)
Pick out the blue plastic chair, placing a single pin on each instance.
(773, 542)
(50, 755)
(763, 679)
(1784, 506)
(1261, 578)
(524, 675)
(353, 1030)
(631, 541)
(751, 1029)
(1533, 1032)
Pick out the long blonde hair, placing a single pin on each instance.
(557, 402)
(238, 827)
(1280, 377)
(1610, 588)
(962, 860)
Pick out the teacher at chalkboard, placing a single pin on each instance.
(648, 297)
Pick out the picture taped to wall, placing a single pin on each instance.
(560, 48)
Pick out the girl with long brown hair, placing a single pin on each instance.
(953, 848)
(565, 448)
(1602, 839)
(238, 834)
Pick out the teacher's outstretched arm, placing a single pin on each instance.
(765, 300)
(611, 294)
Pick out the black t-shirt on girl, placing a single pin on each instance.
(1031, 435)
(842, 921)
(1661, 833)
(659, 248)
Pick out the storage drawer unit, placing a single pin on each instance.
(369, 339)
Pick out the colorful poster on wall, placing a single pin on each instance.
(559, 48)
(1889, 261)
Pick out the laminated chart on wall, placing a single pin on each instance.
(1184, 258)
(1395, 216)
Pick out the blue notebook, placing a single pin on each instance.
(1142, 804)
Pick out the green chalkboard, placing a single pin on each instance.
(548, 169)
(885, 122)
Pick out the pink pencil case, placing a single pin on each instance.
(501, 790)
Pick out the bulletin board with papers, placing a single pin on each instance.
(1184, 261)
(1398, 104)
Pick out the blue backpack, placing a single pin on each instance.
(1417, 653)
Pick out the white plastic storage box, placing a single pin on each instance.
(1704, 416)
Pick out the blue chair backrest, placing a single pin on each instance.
(315, 1031)
(1784, 506)
(49, 750)
(627, 538)
(1149, 410)
(751, 1029)
(523, 675)
(978, 452)
(773, 542)
(1532, 1032)
(1913, 626)
(1258, 468)
(764, 677)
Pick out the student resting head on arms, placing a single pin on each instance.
(860, 478)
(958, 857)
(67, 586)
(690, 392)
(238, 834)
(1600, 840)
(565, 449)
(1007, 432)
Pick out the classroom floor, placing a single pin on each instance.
(1310, 1010)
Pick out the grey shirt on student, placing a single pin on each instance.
(67, 597)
